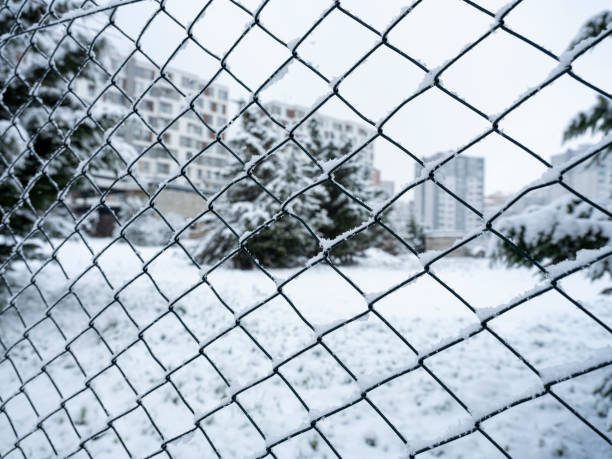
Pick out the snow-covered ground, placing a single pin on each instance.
(154, 374)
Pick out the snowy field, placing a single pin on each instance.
(154, 374)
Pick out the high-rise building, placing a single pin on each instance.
(439, 212)
(386, 186)
(167, 136)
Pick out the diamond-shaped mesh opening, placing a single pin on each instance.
(415, 36)
(224, 426)
(552, 311)
(234, 228)
(335, 56)
(316, 371)
(271, 412)
(372, 432)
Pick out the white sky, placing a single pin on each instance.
(490, 77)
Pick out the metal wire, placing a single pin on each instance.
(106, 13)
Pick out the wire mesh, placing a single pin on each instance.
(68, 348)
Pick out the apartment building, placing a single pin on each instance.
(182, 137)
(439, 212)
(331, 128)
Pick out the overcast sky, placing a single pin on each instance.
(490, 77)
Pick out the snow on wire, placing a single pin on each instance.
(62, 25)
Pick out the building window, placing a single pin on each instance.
(188, 82)
(275, 109)
(221, 120)
(223, 109)
(209, 92)
(165, 107)
(185, 142)
(158, 153)
(144, 73)
(167, 138)
(116, 98)
(147, 105)
(140, 133)
(145, 166)
(140, 87)
(194, 129)
(91, 90)
(208, 119)
(163, 168)
(199, 173)
(213, 106)
(222, 93)
(290, 113)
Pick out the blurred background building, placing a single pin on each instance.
(166, 133)
(437, 210)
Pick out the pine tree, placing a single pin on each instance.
(554, 233)
(599, 117)
(45, 132)
(415, 235)
(339, 213)
(571, 224)
(250, 203)
(325, 209)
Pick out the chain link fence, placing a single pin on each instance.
(23, 363)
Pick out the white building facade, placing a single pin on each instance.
(169, 140)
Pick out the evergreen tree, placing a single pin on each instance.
(248, 204)
(570, 224)
(45, 131)
(557, 231)
(554, 233)
(598, 118)
(415, 235)
(340, 213)
(325, 209)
